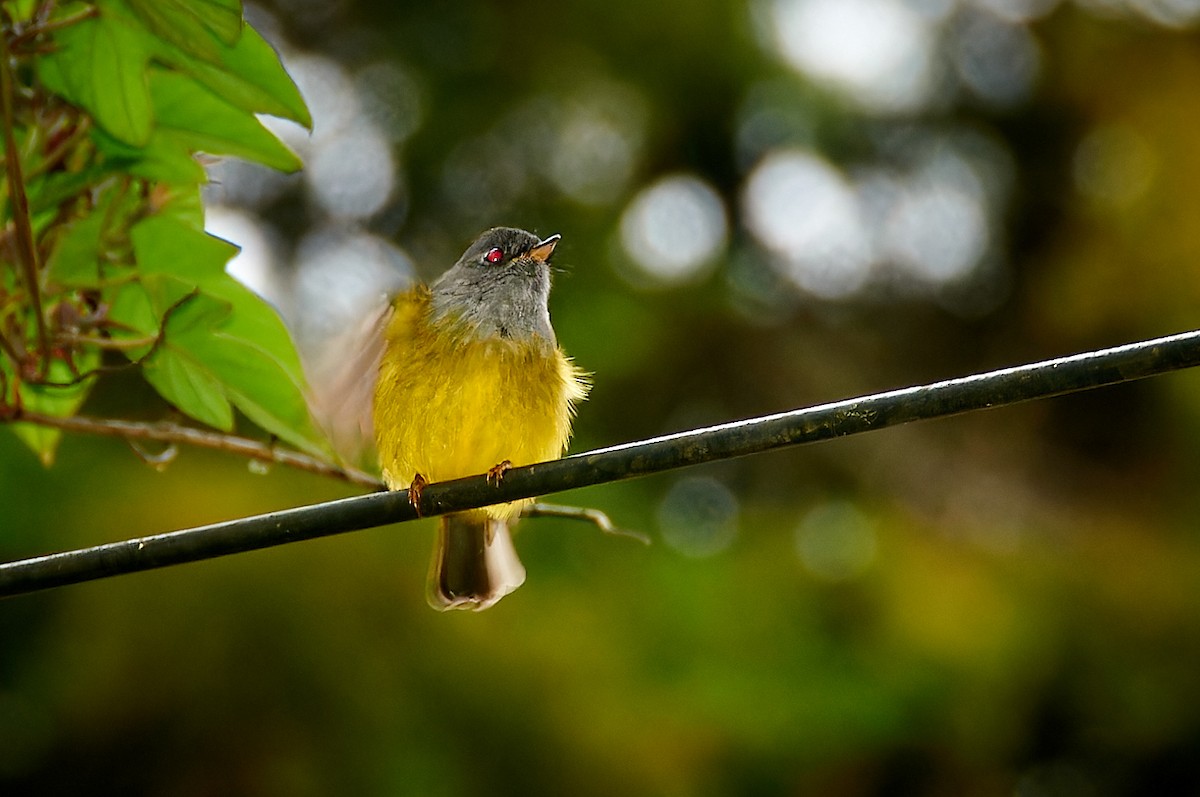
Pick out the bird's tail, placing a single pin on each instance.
(474, 563)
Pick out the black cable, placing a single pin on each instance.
(736, 439)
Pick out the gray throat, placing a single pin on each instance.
(506, 303)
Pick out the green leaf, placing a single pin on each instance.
(255, 321)
(133, 313)
(100, 65)
(49, 191)
(164, 158)
(183, 204)
(198, 27)
(189, 386)
(243, 353)
(50, 71)
(202, 363)
(164, 245)
(207, 123)
(247, 75)
(172, 368)
(179, 373)
(262, 389)
(252, 355)
(60, 402)
(75, 260)
(21, 9)
(122, 100)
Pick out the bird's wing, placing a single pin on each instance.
(342, 381)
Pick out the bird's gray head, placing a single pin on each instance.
(500, 286)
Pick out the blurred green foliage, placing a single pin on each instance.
(1002, 603)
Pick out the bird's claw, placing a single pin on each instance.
(496, 473)
(414, 492)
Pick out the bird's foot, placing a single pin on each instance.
(496, 473)
(414, 492)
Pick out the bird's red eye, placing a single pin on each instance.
(494, 255)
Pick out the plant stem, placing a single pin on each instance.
(174, 433)
(26, 247)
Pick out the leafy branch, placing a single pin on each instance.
(735, 439)
(105, 109)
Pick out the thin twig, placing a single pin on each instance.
(7, 348)
(739, 438)
(595, 517)
(42, 25)
(100, 342)
(174, 433)
(83, 128)
(26, 247)
(155, 344)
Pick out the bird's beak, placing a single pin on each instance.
(541, 251)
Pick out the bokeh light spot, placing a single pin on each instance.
(595, 143)
(698, 516)
(238, 182)
(593, 159)
(998, 61)
(329, 92)
(836, 541)
(339, 275)
(805, 212)
(1173, 13)
(392, 99)
(878, 52)
(352, 174)
(936, 232)
(1114, 164)
(1018, 10)
(255, 265)
(674, 228)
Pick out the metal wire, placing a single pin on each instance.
(725, 441)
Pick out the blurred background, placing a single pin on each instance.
(764, 205)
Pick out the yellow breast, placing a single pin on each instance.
(449, 404)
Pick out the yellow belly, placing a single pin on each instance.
(448, 405)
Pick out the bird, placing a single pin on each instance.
(471, 380)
